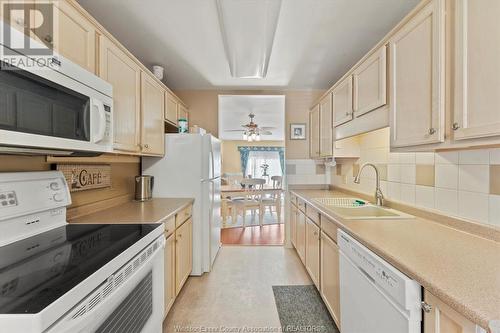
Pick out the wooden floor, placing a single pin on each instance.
(273, 234)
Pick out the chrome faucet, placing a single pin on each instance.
(379, 197)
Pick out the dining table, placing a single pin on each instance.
(237, 190)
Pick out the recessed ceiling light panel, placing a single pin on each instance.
(248, 28)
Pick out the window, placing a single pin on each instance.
(257, 160)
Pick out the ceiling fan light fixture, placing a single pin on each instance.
(248, 28)
(245, 136)
(257, 138)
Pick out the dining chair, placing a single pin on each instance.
(252, 197)
(273, 199)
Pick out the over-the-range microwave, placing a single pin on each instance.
(54, 106)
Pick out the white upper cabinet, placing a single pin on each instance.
(417, 79)
(314, 129)
(342, 102)
(477, 69)
(369, 80)
(326, 126)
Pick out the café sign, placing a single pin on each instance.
(82, 177)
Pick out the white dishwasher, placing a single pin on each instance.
(374, 296)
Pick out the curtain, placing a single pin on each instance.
(263, 164)
(245, 151)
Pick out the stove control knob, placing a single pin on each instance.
(54, 186)
(58, 197)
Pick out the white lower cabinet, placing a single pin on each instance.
(330, 278)
(169, 273)
(293, 224)
(441, 318)
(178, 255)
(312, 251)
(301, 236)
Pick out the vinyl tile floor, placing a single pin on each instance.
(238, 292)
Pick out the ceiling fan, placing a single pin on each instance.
(252, 131)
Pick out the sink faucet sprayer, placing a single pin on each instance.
(379, 197)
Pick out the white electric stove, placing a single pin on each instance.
(59, 277)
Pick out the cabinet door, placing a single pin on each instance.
(76, 36)
(169, 273)
(171, 106)
(330, 278)
(312, 251)
(342, 102)
(183, 254)
(326, 126)
(443, 319)
(183, 113)
(477, 89)
(417, 79)
(369, 83)
(125, 77)
(301, 236)
(152, 113)
(293, 224)
(314, 134)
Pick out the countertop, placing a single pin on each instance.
(152, 211)
(461, 269)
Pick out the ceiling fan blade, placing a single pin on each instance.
(234, 130)
(267, 128)
(266, 132)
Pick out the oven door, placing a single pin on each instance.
(131, 300)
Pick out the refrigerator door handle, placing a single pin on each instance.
(210, 179)
(213, 162)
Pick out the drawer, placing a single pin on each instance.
(301, 204)
(183, 215)
(313, 215)
(329, 227)
(169, 226)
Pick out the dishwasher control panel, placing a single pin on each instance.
(378, 271)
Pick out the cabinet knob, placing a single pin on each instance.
(426, 307)
(432, 131)
(455, 126)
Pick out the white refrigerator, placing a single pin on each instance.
(191, 168)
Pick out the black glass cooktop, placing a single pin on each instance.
(36, 271)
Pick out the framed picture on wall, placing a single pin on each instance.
(297, 131)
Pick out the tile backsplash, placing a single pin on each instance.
(462, 183)
(306, 171)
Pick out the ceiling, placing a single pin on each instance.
(316, 41)
(269, 111)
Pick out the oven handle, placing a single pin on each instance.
(66, 324)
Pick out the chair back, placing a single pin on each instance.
(254, 188)
(232, 179)
(277, 182)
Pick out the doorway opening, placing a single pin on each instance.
(251, 128)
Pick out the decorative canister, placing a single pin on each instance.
(158, 71)
(183, 125)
